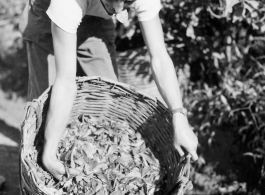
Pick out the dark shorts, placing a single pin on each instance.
(96, 51)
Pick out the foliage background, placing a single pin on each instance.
(218, 49)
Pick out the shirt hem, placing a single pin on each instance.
(149, 16)
(51, 16)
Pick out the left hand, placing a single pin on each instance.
(184, 137)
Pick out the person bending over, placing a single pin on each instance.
(69, 38)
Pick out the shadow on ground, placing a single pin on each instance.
(9, 153)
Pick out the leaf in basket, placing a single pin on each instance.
(134, 173)
(94, 183)
(86, 169)
(93, 129)
(103, 177)
(117, 193)
(126, 148)
(66, 142)
(78, 153)
(79, 178)
(73, 151)
(137, 159)
(156, 167)
(147, 180)
(85, 127)
(126, 156)
(141, 192)
(112, 158)
(139, 136)
(85, 157)
(157, 177)
(50, 183)
(137, 143)
(59, 192)
(112, 149)
(73, 130)
(100, 151)
(68, 183)
(75, 190)
(124, 139)
(93, 164)
(151, 191)
(149, 158)
(145, 170)
(124, 159)
(143, 147)
(100, 167)
(113, 174)
(101, 192)
(66, 156)
(116, 140)
(99, 131)
(90, 149)
(130, 131)
(79, 162)
(131, 164)
(110, 132)
(80, 187)
(134, 185)
(70, 188)
(87, 180)
(99, 186)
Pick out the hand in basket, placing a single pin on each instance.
(58, 169)
(184, 137)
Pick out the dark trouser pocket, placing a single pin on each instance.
(34, 21)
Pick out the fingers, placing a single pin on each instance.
(74, 172)
(180, 151)
(194, 155)
(69, 172)
(57, 171)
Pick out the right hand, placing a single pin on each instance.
(184, 137)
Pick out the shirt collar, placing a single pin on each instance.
(97, 9)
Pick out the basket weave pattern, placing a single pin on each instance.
(102, 98)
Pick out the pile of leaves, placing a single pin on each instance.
(112, 158)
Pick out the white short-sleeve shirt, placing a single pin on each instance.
(67, 14)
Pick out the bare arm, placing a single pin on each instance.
(62, 97)
(167, 83)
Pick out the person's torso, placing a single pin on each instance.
(34, 21)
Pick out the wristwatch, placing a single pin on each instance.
(180, 110)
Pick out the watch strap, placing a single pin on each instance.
(180, 110)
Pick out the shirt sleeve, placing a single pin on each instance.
(147, 9)
(67, 14)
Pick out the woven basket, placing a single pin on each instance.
(103, 98)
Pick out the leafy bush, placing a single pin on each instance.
(13, 58)
(223, 50)
(217, 47)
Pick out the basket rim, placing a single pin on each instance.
(37, 102)
(110, 81)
